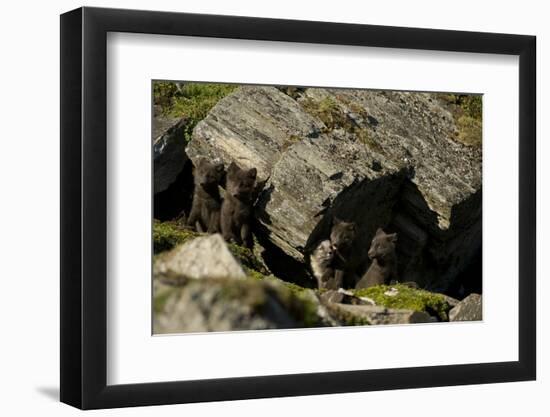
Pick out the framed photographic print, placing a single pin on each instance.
(257, 208)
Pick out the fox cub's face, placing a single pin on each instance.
(240, 182)
(324, 252)
(342, 234)
(382, 245)
(207, 174)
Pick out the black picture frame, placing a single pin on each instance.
(84, 207)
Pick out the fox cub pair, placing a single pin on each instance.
(330, 260)
(232, 216)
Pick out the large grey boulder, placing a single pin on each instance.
(381, 159)
(219, 305)
(225, 305)
(202, 257)
(252, 127)
(438, 211)
(169, 155)
(469, 309)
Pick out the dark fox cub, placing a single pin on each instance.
(383, 268)
(342, 236)
(236, 211)
(206, 207)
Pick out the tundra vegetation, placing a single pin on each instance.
(190, 101)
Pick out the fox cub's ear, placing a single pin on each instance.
(393, 237)
(379, 232)
(233, 167)
(252, 173)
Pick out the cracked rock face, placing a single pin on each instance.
(168, 151)
(252, 127)
(317, 178)
(381, 159)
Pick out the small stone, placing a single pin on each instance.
(168, 153)
(469, 309)
(392, 292)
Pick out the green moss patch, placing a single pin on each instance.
(348, 319)
(191, 101)
(167, 235)
(246, 292)
(301, 305)
(328, 111)
(409, 299)
(258, 295)
(160, 298)
(467, 110)
(333, 117)
(258, 276)
(246, 258)
(469, 131)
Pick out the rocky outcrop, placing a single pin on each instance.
(381, 159)
(252, 127)
(168, 151)
(377, 315)
(222, 305)
(469, 309)
(202, 257)
(201, 283)
(317, 178)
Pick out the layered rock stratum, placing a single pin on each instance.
(378, 158)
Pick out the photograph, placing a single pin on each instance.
(287, 207)
(243, 196)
